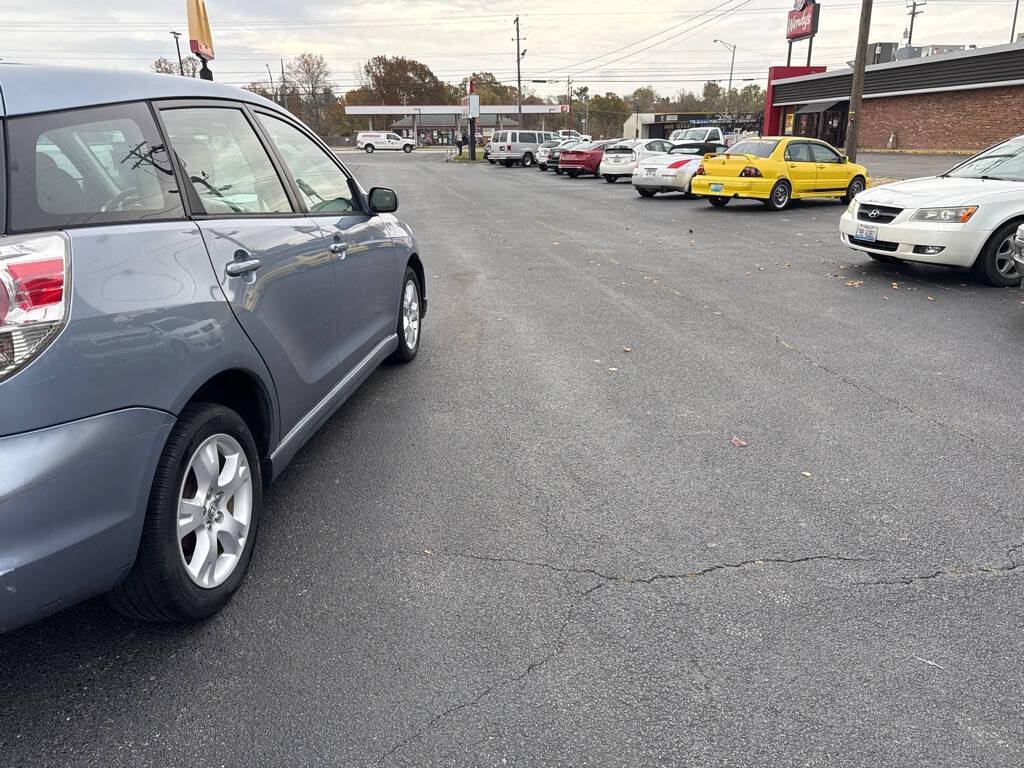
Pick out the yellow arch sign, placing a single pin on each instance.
(200, 39)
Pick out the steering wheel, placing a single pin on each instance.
(119, 202)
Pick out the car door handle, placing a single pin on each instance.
(341, 249)
(243, 264)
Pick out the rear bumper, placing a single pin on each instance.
(663, 179)
(72, 502)
(960, 247)
(733, 186)
(616, 169)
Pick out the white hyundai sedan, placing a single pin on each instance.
(967, 217)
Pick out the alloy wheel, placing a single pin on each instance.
(1005, 264)
(214, 510)
(411, 314)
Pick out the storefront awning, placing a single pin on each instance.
(818, 106)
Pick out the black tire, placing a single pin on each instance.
(405, 353)
(646, 192)
(368, 149)
(882, 258)
(158, 588)
(543, 166)
(610, 179)
(407, 148)
(991, 266)
(719, 202)
(527, 160)
(559, 171)
(856, 187)
(780, 197)
(573, 174)
(492, 162)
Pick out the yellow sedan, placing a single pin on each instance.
(777, 170)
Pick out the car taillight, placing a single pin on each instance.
(751, 172)
(632, 156)
(681, 163)
(700, 170)
(33, 296)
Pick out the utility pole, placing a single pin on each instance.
(1013, 29)
(914, 13)
(732, 65)
(857, 88)
(181, 64)
(519, 76)
(284, 95)
(271, 74)
(568, 87)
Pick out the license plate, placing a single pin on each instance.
(867, 233)
(649, 171)
(717, 188)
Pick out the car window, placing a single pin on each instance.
(1004, 161)
(798, 152)
(756, 147)
(686, 151)
(89, 166)
(394, 137)
(528, 138)
(225, 162)
(322, 185)
(823, 154)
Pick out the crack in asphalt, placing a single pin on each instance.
(620, 579)
(965, 571)
(531, 667)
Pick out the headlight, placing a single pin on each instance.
(852, 207)
(946, 215)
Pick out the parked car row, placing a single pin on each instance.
(972, 216)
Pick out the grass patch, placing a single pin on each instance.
(464, 158)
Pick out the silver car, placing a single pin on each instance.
(190, 284)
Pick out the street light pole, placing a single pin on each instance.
(732, 65)
(271, 80)
(1013, 29)
(857, 88)
(177, 45)
(519, 77)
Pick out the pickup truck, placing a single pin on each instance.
(709, 135)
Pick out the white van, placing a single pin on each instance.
(509, 147)
(371, 141)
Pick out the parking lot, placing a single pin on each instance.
(540, 544)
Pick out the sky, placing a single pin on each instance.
(608, 46)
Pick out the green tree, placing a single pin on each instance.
(398, 80)
(714, 97)
(643, 99)
(607, 114)
(491, 90)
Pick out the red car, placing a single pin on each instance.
(583, 158)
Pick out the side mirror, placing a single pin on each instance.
(844, 159)
(383, 200)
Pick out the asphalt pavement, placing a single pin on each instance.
(539, 545)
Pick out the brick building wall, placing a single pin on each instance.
(953, 120)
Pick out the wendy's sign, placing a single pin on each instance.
(803, 20)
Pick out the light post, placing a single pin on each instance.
(177, 45)
(1013, 29)
(732, 64)
(271, 82)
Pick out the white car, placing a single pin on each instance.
(711, 134)
(371, 141)
(967, 217)
(671, 172)
(620, 159)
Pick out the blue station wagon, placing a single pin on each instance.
(190, 284)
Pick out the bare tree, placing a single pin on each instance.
(165, 66)
(310, 74)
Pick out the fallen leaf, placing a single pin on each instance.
(613, 369)
(806, 474)
(737, 442)
(427, 552)
(855, 283)
(931, 298)
(747, 274)
(895, 286)
(886, 298)
(693, 243)
(626, 349)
